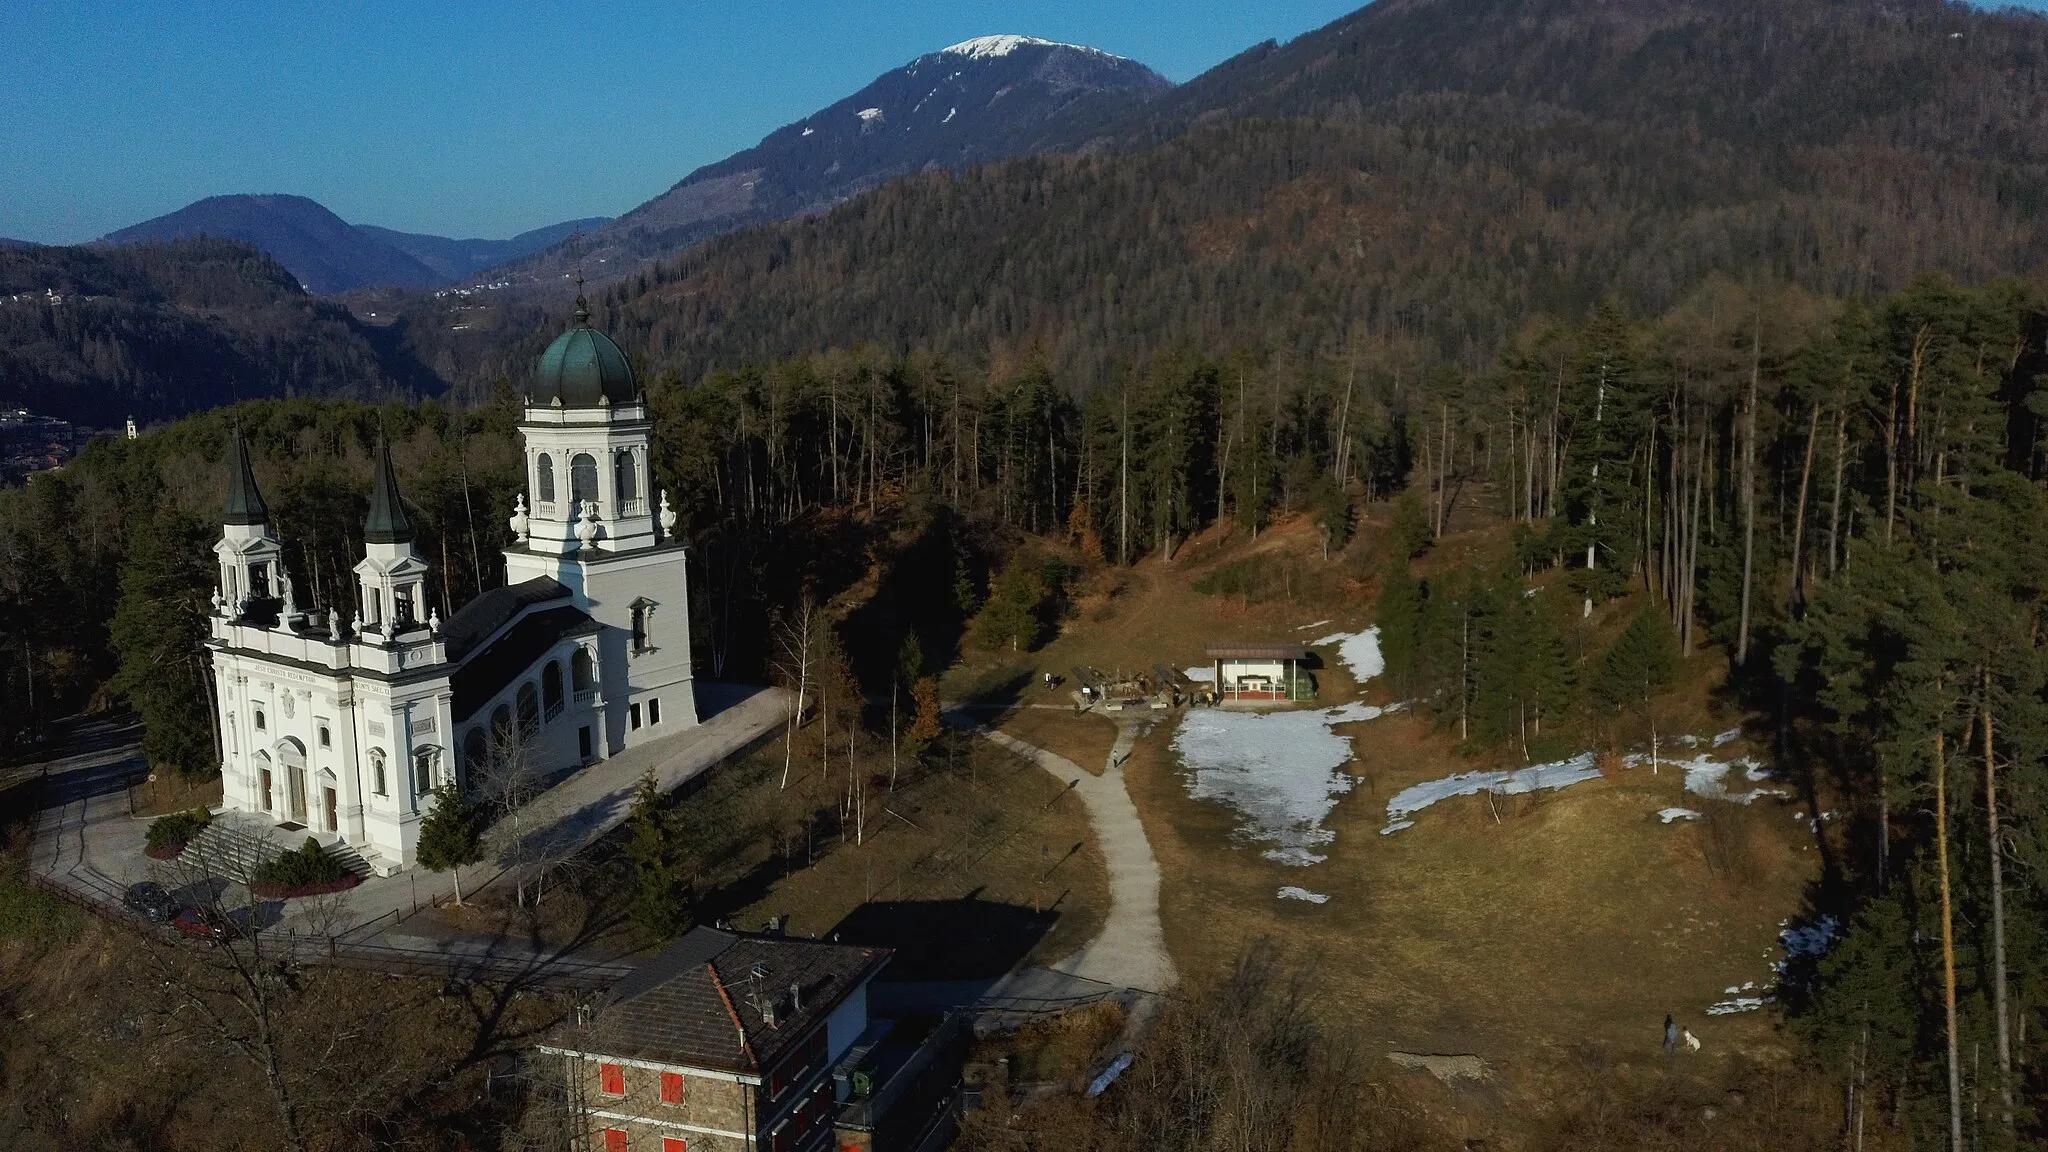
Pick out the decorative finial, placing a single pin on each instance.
(219, 601)
(518, 520)
(582, 305)
(667, 518)
(586, 523)
(434, 621)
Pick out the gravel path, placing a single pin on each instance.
(1130, 951)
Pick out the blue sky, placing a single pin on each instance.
(474, 119)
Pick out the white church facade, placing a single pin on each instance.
(346, 727)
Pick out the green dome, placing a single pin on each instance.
(582, 369)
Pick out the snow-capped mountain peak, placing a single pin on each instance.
(982, 99)
(988, 47)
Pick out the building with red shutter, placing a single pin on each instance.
(731, 1041)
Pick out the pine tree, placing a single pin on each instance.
(1637, 668)
(1331, 506)
(157, 631)
(1410, 535)
(1398, 613)
(1013, 615)
(661, 905)
(451, 835)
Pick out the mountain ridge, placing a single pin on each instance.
(327, 253)
(981, 99)
(1439, 171)
(155, 329)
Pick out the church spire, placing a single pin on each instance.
(244, 503)
(387, 523)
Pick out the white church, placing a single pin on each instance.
(345, 727)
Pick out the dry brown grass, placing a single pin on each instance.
(1062, 1049)
(169, 792)
(1155, 617)
(974, 824)
(1529, 930)
(1085, 738)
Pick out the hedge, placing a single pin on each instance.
(169, 833)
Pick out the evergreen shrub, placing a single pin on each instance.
(168, 834)
(304, 871)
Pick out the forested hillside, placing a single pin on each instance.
(97, 334)
(983, 99)
(1842, 499)
(1435, 170)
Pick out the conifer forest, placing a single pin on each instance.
(1844, 497)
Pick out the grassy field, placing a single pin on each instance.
(974, 850)
(1547, 934)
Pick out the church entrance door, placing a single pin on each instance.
(294, 757)
(333, 811)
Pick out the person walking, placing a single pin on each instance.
(1670, 1034)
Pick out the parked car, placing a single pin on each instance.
(205, 924)
(149, 901)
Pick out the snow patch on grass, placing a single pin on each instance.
(1707, 777)
(1317, 624)
(1536, 777)
(1729, 737)
(1360, 651)
(1281, 771)
(1667, 815)
(1290, 892)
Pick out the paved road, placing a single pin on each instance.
(86, 840)
(1130, 951)
(84, 836)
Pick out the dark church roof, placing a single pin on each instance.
(244, 504)
(582, 369)
(491, 611)
(708, 1001)
(509, 657)
(386, 523)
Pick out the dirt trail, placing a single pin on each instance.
(1130, 951)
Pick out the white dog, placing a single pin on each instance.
(1692, 1042)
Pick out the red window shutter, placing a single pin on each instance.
(615, 1140)
(674, 1144)
(611, 1080)
(672, 1089)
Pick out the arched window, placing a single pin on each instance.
(501, 725)
(475, 752)
(551, 689)
(377, 780)
(259, 720)
(625, 477)
(529, 711)
(545, 473)
(423, 770)
(582, 477)
(582, 672)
